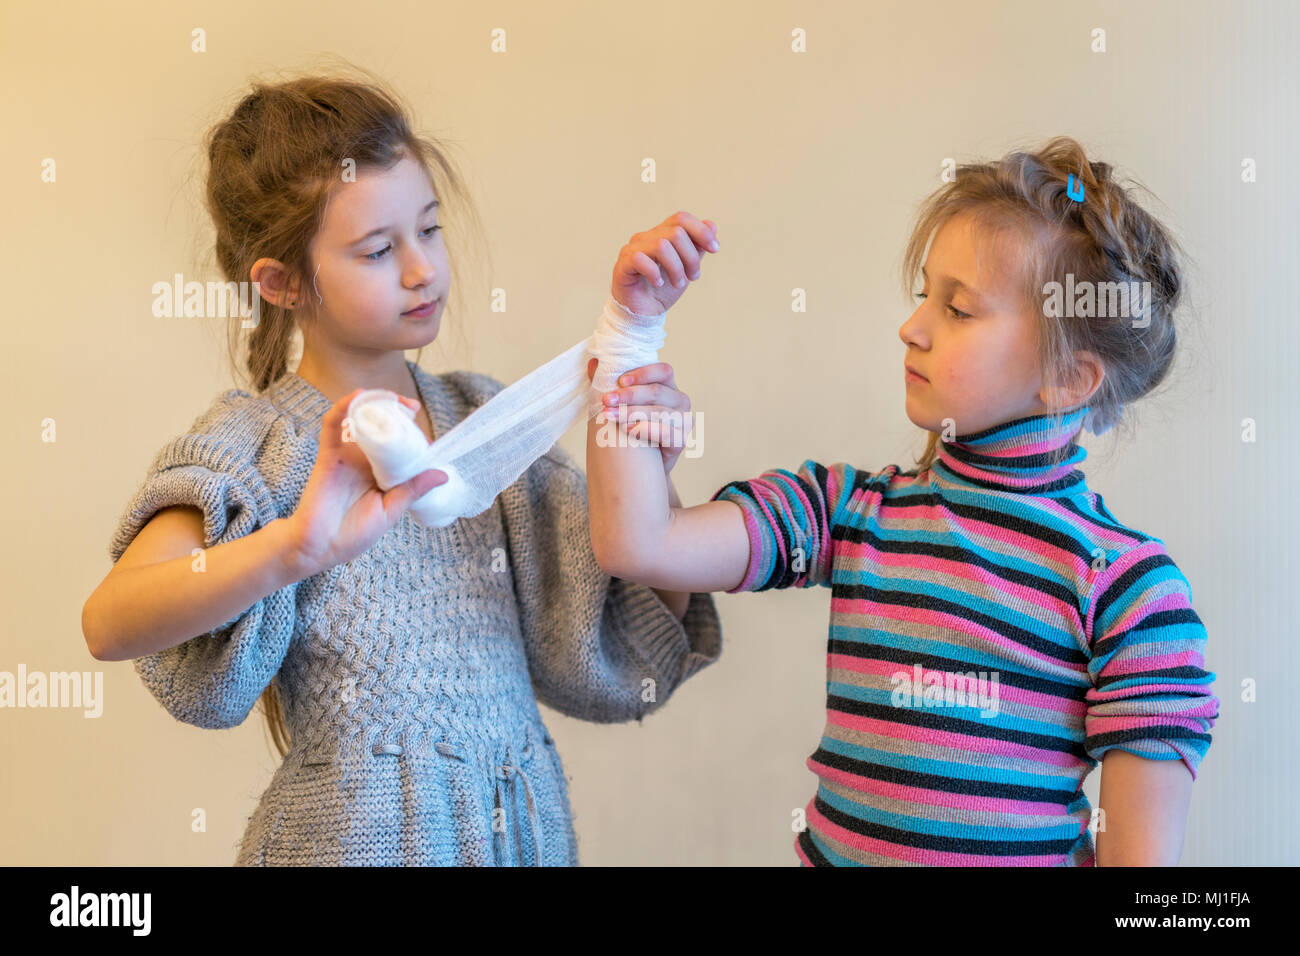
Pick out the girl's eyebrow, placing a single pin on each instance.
(382, 229)
(969, 290)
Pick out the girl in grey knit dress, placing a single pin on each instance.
(399, 666)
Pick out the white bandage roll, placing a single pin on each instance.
(496, 443)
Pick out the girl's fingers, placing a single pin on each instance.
(671, 251)
(643, 264)
(666, 255)
(682, 242)
(703, 233)
(670, 432)
(331, 424)
(655, 372)
(632, 414)
(654, 394)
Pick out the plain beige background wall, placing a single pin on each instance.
(812, 165)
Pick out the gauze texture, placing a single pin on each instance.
(499, 440)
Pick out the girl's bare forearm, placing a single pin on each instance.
(677, 601)
(627, 499)
(639, 534)
(147, 608)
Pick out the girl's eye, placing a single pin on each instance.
(956, 313)
(376, 256)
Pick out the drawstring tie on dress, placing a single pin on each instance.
(505, 772)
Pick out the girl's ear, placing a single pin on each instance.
(1089, 372)
(272, 281)
(1085, 378)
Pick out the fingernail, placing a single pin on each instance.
(611, 398)
(713, 246)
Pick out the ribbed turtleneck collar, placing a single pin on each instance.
(1033, 456)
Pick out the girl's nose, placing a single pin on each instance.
(421, 269)
(911, 331)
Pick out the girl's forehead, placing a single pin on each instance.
(378, 198)
(970, 254)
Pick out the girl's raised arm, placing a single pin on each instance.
(638, 533)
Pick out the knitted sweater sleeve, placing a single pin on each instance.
(214, 679)
(790, 517)
(598, 648)
(1150, 694)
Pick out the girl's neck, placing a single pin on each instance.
(334, 379)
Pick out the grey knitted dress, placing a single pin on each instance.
(410, 675)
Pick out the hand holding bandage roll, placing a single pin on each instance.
(497, 442)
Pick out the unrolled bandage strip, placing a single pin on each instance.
(496, 443)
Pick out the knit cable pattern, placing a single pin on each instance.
(410, 675)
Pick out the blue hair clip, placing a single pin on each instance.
(1071, 185)
(1091, 423)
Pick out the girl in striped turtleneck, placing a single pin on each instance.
(995, 632)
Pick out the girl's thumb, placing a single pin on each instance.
(402, 496)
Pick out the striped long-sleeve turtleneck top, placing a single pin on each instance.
(994, 629)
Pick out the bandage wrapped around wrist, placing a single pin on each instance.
(496, 443)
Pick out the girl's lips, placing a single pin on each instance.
(914, 377)
(423, 312)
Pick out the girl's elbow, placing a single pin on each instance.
(93, 631)
(623, 559)
(90, 630)
(610, 558)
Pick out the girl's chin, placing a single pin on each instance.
(921, 417)
(420, 332)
